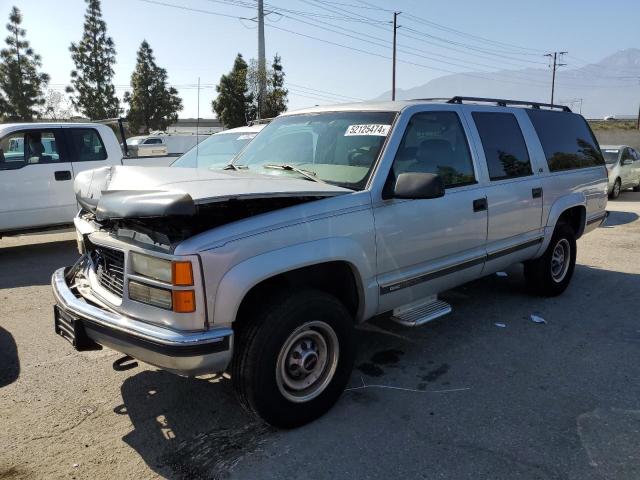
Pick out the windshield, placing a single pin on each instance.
(336, 147)
(610, 156)
(216, 151)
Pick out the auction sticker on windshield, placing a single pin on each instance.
(368, 129)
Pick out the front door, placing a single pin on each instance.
(426, 246)
(36, 180)
(627, 168)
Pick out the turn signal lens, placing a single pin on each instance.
(184, 301)
(182, 274)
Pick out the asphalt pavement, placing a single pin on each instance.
(459, 398)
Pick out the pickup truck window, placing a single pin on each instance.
(434, 142)
(337, 147)
(567, 140)
(29, 147)
(503, 144)
(88, 145)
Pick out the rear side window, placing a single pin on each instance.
(88, 145)
(567, 140)
(503, 145)
(434, 142)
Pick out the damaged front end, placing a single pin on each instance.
(167, 212)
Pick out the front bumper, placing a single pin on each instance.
(184, 353)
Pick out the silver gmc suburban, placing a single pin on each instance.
(329, 217)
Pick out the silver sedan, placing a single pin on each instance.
(623, 165)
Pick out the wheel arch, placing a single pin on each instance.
(570, 208)
(337, 266)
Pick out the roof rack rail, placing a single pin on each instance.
(500, 102)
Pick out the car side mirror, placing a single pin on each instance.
(418, 185)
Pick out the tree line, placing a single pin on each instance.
(152, 104)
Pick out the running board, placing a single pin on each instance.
(419, 313)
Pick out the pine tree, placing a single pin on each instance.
(20, 81)
(152, 104)
(234, 105)
(277, 96)
(94, 57)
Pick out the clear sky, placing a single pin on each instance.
(192, 44)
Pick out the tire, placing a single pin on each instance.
(615, 191)
(546, 275)
(279, 350)
(637, 188)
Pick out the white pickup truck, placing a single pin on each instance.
(38, 162)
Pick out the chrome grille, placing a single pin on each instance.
(109, 265)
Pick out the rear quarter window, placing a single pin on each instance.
(567, 140)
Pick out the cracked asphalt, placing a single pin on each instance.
(460, 398)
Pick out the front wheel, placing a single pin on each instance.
(550, 274)
(293, 358)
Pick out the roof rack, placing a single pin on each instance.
(499, 102)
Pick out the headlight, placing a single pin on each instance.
(158, 297)
(151, 267)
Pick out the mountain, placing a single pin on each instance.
(608, 87)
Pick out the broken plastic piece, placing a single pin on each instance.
(537, 319)
(501, 325)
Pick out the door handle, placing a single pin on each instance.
(536, 192)
(62, 175)
(480, 205)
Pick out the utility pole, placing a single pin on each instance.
(262, 63)
(393, 73)
(556, 65)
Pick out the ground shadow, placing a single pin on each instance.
(29, 265)
(9, 360)
(458, 388)
(188, 427)
(617, 218)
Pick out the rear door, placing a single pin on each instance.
(514, 191)
(36, 180)
(88, 149)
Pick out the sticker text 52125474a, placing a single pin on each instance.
(368, 129)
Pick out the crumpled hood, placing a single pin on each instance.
(119, 191)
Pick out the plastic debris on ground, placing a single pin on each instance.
(501, 325)
(537, 319)
(502, 274)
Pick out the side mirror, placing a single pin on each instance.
(418, 185)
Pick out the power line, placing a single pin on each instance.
(329, 42)
(439, 26)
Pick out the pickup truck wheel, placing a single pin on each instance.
(550, 274)
(637, 188)
(293, 358)
(615, 191)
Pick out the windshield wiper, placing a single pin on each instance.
(305, 173)
(231, 166)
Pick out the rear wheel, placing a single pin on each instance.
(550, 274)
(617, 187)
(293, 358)
(637, 187)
